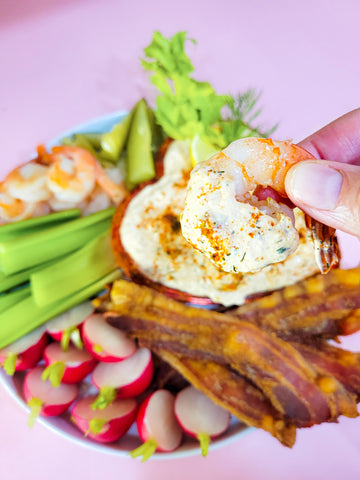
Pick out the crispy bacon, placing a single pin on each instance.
(323, 305)
(234, 393)
(341, 364)
(290, 383)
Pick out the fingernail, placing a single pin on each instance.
(315, 185)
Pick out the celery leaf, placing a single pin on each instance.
(187, 107)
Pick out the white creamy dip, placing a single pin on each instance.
(235, 230)
(151, 234)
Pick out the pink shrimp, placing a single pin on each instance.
(74, 173)
(28, 183)
(13, 209)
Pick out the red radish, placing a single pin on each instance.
(200, 417)
(109, 425)
(43, 398)
(157, 425)
(104, 342)
(65, 327)
(71, 366)
(25, 352)
(124, 379)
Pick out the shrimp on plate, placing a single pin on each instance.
(24, 193)
(227, 218)
(12, 209)
(67, 177)
(74, 173)
(29, 183)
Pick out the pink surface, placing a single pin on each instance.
(68, 61)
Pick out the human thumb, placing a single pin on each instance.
(328, 192)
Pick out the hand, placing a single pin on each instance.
(329, 190)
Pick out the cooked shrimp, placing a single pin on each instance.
(73, 174)
(223, 217)
(28, 183)
(13, 209)
(110, 182)
(98, 200)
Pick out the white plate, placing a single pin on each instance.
(62, 425)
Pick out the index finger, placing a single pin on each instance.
(338, 141)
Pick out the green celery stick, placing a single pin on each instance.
(11, 230)
(26, 315)
(74, 272)
(113, 142)
(29, 250)
(17, 279)
(12, 298)
(140, 163)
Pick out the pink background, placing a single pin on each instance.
(65, 62)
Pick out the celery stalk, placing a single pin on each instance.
(27, 251)
(74, 272)
(140, 163)
(12, 298)
(11, 230)
(17, 279)
(26, 315)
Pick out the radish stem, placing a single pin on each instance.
(106, 397)
(96, 425)
(35, 405)
(145, 450)
(55, 373)
(204, 440)
(73, 334)
(98, 349)
(10, 363)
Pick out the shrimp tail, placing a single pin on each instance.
(43, 156)
(326, 246)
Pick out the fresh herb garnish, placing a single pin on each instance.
(187, 107)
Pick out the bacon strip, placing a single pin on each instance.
(234, 393)
(323, 305)
(290, 383)
(341, 364)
